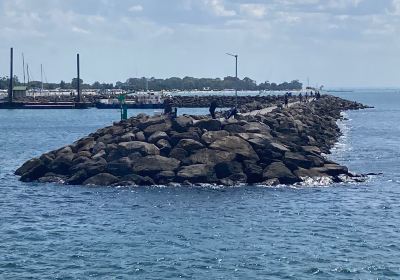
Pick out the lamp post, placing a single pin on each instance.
(236, 76)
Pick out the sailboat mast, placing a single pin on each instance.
(41, 77)
(23, 66)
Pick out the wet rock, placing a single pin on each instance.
(253, 171)
(197, 173)
(102, 179)
(32, 170)
(295, 160)
(138, 180)
(278, 170)
(165, 177)
(78, 178)
(226, 169)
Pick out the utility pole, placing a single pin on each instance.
(78, 87)
(10, 85)
(236, 77)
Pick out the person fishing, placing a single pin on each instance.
(231, 113)
(167, 106)
(213, 106)
(286, 101)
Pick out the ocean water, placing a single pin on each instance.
(340, 231)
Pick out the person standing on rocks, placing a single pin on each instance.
(167, 106)
(286, 101)
(301, 98)
(213, 106)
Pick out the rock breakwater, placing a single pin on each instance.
(285, 146)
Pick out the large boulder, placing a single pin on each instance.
(164, 127)
(197, 173)
(212, 157)
(164, 146)
(182, 123)
(62, 163)
(27, 166)
(158, 135)
(77, 178)
(257, 127)
(31, 170)
(295, 160)
(120, 167)
(178, 153)
(189, 145)
(253, 171)
(144, 148)
(226, 169)
(235, 145)
(134, 179)
(234, 128)
(177, 136)
(208, 124)
(102, 179)
(151, 165)
(210, 136)
(278, 170)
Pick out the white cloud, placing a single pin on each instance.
(136, 8)
(79, 30)
(396, 7)
(218, 8)
(253, 10)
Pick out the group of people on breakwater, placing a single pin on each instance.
(281, 147)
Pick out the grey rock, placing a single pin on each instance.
(144, 148)
(158, 135)
(197, 173)
(210, 136)
(278, 170)
(189, 145)
(102, 179)
(208, 124)
(151, 165)
(235, 145)
(212, 157)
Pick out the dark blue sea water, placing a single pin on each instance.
(347, 231)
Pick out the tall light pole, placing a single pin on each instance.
(236, 76)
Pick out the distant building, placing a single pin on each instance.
(19, 91)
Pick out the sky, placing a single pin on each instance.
(336, 43)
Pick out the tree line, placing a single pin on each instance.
(174, 83)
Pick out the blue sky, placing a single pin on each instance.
(334, 42)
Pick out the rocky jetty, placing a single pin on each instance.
(285, 146)
(254, 102)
